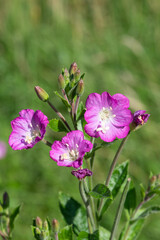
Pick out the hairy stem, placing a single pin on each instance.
(59, 115)
(111, 170)
(119, 210)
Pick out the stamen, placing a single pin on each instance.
(64, 156)
(28, 139)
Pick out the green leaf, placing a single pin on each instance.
(149, 211)
(118, 177)
(100, 234)
(73, 213)
(56, 125)
(142, 191)
(64, 101)
(66, 233)
(100, 191)
(130, 202)
(13, 215)
(133, 230)
(80, 111)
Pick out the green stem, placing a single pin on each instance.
(56, 235)
(119, 210)
(46, 142)
(111, 170)
(75, 108)
(85, 200)
(59, 115)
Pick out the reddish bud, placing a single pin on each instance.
(41, 93)
(61, 81)
(73, 68)
(80, 88)
(55, 225)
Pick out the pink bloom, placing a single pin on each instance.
(3, 150)
(28, 129)
(71, 150)
(140, 117)
(82, 173)
(107, 116)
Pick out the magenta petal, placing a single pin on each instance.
(90, 129)
(71, 150)
(28, 129)
(122, 118)
(123, 101)
(27, 114)
(94, 99)
(108, 100)
(92, 115)
(82, 173)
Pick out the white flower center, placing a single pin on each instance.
(105, 114)
(28, 139)
(72, 155)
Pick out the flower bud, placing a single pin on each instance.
(77, 75)
(73, 68)
(55, 225)
(61, 81)
(153, 180)
(41, 93)
(5, 200)
(82, 173)
(45, 225)
(38, 231)
(66, 73)
(80, 88)
(38, 222)
(139, 119)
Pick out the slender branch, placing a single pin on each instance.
(75, 108)
(59, 115)
(65, 96)
(119, 210)
(111, 170)
(46, 142)
(85, 200)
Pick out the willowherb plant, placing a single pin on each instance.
(103, 116)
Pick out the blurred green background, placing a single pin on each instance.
(116, 43)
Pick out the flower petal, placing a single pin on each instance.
(94, 99)
(123, 101)
(122, 117)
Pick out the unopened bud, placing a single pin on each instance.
(55, 225)
(140, 117)
(45, 225)
(153, 179)
(73, 68)
(41, 93)
(5, 200)
(66, 73)
(77, 75)
(38, 231)
(80, 88)
(38, 222)
(61, 81)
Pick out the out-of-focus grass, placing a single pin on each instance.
(116, 43)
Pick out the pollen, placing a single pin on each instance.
(28, 139)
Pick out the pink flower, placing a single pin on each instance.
(107, 116)
(82, 173)
(3, 149)
(71, 150)
(140, 117)
(28, 129)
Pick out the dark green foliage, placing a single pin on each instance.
(73, 213)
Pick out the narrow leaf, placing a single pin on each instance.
(133, 231)
(149, 211)
(73, 213)
(118, 177)
(130, 202)
(100, 191)
(57, 126)
(13, 216)
(64, 101)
